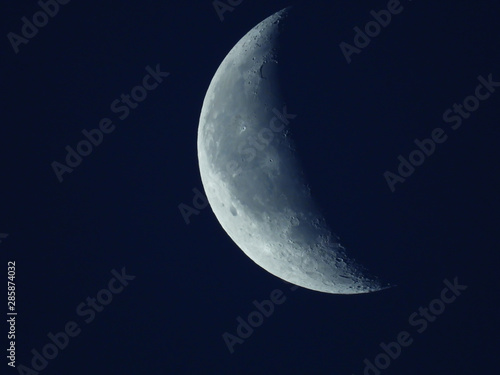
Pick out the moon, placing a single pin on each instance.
(253, 178)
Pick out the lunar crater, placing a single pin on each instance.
(272, 216)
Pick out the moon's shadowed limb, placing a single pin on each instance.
(257, 190)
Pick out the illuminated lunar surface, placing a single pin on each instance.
(259, 194)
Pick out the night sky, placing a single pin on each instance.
(104, 254)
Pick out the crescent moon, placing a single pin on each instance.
(253, 178)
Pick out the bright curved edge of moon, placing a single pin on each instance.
(260, 197)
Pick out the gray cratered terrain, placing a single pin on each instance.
(253, 179)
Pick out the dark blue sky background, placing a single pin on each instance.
(119, 207)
